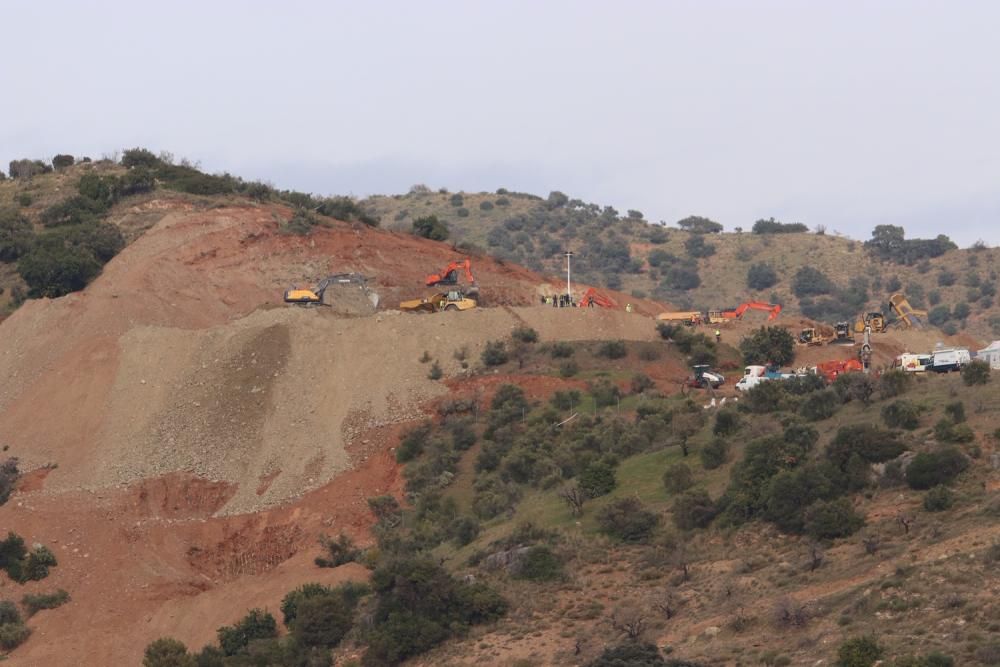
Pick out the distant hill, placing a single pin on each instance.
(622, 250)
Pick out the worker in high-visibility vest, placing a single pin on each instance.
(718, 336)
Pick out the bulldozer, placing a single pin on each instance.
(453, 300)
(812, 336)
(842, 334)
(314, 297)
(907, 314)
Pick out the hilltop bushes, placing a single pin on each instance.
(430, 227)
(16, 235)
(22, 565)
(772, 226)
(889, 243)
(761, 276)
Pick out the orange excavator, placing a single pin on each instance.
(594, 298)
(772, 309)
(449, 275)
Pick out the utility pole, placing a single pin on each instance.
(569, 285)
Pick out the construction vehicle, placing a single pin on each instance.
(715, 317)
(772, 309)
(754, 375)
(907, 314)
(945, 360)
(832, 369)
(875, 320)
(814, 336)
(913, 363)
(453, 300)
(593, 298)
(865, 353)
(314, 297)
(683, 316)
(842, 334)
(703, 377)
(449, 274)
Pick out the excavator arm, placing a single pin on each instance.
(772, 309)
(449, 275)
(906, 312)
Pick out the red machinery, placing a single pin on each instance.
(831, 369)
(449, 275)
(594, 298)
(772, 309)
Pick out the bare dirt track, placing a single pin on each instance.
(187, 436)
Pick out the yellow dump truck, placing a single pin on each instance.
(453, 300)
(687, 317)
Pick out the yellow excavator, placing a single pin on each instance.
(875, 320)
(453, 300)
(907, 314)
(314, 297)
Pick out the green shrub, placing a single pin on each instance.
(56, 265)
(412, 444)
(456, 200)
(486, 205)
(462, 212)
(819, 405)
(598, 479)
(322, 620)
(945, 430)
(761, 276)
(693, 509)
(681, 278)
(871, 443)
(859, 652)
(832, 519)
(629, 654)
(502, 201)
(697, 224)
(419, 605)
(9, 613)
(167, 652)
(976, 373)
(76, 210)
(677, 478)
(901, 414)
(727, 422)
(16, 235)
(35, 603)
(539, 563)
(772, 226)
(939, 499)
(62, 161)
(568, 369)
(257, 624)
(627, 519)
(929, 469)
(140, 157)
(697, 247)
(565, 400)
(809, 281)
(338, 551)
(495, 353)
(429, 227)
(713, 454)
(612, 349)
(435, 372)
(768, 345)
(605, 392)
(788, 493)
(561, 350)
(524, 335)
(24, 199)
(955, 411)
(13, 635)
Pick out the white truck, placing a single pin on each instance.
(754, 375)
(949, 359)
(913, 363)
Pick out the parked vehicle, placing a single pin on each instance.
(913, 363)
(754, 375)
(950, 359)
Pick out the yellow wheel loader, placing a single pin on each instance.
(441, 301)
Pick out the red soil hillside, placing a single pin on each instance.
(187, 436)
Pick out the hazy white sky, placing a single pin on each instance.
(846, 114)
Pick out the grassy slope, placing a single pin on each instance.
(723, 275)
(929, 589)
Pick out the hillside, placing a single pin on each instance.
(623, 251)
(513, 485)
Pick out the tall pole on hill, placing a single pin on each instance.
(569, 286)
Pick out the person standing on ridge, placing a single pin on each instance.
(718, 336)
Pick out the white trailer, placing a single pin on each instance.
(991, 355)
(951, 359)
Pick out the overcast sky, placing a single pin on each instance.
(845, 114)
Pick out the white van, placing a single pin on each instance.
(950, 360)
(913, 363)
